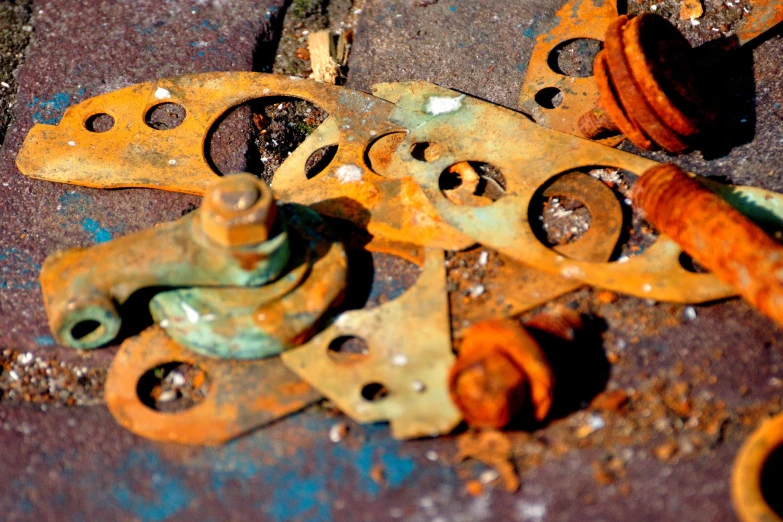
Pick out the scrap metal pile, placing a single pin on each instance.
(249, 287)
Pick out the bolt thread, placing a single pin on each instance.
(715, 234)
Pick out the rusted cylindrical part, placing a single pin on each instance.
(596, 123)
(715, 234)
(500, 372)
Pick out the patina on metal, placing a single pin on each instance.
(241, 396)
(542, 154)
(133, 154)
(82, 287)
(747, 494)
(250, 323)
(402, 376)
(716, 235)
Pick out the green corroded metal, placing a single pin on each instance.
(253, 323)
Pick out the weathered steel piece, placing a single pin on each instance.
(241, 396)
(716, 235)
(408, 364)
(133, 154)
(250, 323)
(576, 19)
(81, 286)
(541, 155)
(747, 494)
(499, 372)
(765, 14)
(647, 85)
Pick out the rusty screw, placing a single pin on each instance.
(715, 234)
(502, 371)
(238, 210)
(647, 87)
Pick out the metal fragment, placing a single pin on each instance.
(500, 372)
(747, 495)
(133, 154)
(716, 235)
(655, 274)
(402, 377)
(241, 396)
(576, 19)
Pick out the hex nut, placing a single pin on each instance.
(238, 210)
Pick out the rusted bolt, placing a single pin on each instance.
(715, 234)
(238, 210)
(648, 90)
(499, 372)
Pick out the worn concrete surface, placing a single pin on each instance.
(653, 459)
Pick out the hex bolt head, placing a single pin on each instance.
(238, 210)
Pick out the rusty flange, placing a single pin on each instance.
(241, 396)
(541, 155)
(134, 154)
(402, 376)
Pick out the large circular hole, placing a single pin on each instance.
(172, 387)
(426, 151)
(563, 220)
(165, 116)
(348, 348)
(319, 160)
(549, 97)
(772, 481)
(574, 57)
(472, 183)
(84, 328)
(374, 391)
(258, 136)
(100, 122)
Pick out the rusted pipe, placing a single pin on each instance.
(715, 234)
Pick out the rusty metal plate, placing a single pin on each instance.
(133, 154)
(541, 154)
(241, 396)
(409, 356)
(576, 19)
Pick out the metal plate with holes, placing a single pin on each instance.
(541, 155)
(230, 408)
(133, 154)
(408, 359)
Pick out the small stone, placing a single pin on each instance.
(338, 432)
(689, 313)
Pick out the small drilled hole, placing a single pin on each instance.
(464, 180)
(319, 160)
(348, 348)
(374, 391)
(549, 97)
(165, 116)
(100, 122)
(172, 387)
(84, 328)
(691, 265)
(426, 151)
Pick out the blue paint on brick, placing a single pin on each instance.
(50, 110)
(18, 270)
(165, 495)
(44, 340)
(96, 231)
